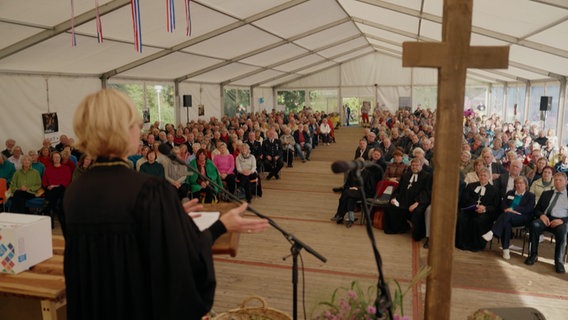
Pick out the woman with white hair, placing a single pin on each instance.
(131, 250)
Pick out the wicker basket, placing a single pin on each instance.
(246, 312)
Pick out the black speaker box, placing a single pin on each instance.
(545, 103)
(187, 100)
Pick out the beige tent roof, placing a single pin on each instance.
(267, 42)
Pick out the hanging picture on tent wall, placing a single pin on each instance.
(146, 116)
(201, 110)
(50, 123)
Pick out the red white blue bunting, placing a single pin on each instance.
(187, 18)
(73, 36)
(98, 23)
(170, 16)
(135, 7)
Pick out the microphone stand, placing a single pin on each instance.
(383, 301)
(296, 244)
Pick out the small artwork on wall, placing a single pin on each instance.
(200, 110)
(50, 123)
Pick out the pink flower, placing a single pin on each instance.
(351, 294)
(371, 309)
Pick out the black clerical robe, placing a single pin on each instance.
(131, 251)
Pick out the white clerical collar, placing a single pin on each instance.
(480, 190)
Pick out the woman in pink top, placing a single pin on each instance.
(55, 179)
(225, 164)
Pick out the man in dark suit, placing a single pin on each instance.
(409, 202)
(551, 212)
(255, 148)
(506, 181)
(495, 168)
(272, 155)
(362, 151)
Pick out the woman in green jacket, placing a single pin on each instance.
(25, 183)
(206, 168)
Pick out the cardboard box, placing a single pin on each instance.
(25, 240)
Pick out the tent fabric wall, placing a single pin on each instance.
(268, 96)
(209, 95)
(25, 98)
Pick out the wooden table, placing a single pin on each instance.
(46, 282)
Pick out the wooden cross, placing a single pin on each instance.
(452, 57)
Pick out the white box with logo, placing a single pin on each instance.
(25, 240)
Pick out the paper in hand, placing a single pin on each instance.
(204, 220)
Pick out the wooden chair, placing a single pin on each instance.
(383, 192)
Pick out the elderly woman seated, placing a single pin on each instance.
(544, 183)
(518, 209)
(25, 183)
(473, 176)
(246, 171)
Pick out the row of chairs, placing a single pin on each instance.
(523, 233)
(35, 205)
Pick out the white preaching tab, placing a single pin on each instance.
(204, 220)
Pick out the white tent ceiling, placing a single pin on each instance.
(267, 42)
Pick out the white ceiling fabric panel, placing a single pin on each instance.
(224, 73)
(57, 55)
(272, 56)
(299, 63)
(266, 34)
(301, 18)
(524, 16)
(381, 16)
(233, 43)
(12, 33)
(550, 36)
(320, 39)
(258, 77)
(325, 78)
(343, 48)
(174, 65)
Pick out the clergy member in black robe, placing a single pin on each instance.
(131, 250)
(478, 209)
(409, 202)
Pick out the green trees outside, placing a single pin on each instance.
(148, 100)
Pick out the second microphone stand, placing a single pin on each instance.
(383, 302)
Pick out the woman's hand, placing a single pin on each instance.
(235, 222)
(192, 206)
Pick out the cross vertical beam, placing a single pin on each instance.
(452, 57)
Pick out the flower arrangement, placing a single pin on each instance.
(354, 303)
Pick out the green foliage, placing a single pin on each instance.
(150, 100)
(292, 100)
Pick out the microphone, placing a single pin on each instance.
(343, 166)
(166, 150)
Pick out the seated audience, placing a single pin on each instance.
(246, 171)
(518, 211)
(544, 183)
(303, 143)
(16, 157)
(409, 202)
(473, 176)
(176, 174)
(199, 185)
(151, 166)
(551, 214)
(55, 180)
(40, 167)
(83, 165)
(10, 143)
(25, 183)
(225, 164)
(44, 156)
(288, 144)
(478, 207)
(351, 193)
(7, 169)
(272, 155)
(396, 168)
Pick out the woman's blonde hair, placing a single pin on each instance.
(102, 123)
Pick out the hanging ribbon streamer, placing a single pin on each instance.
(135, 6)
(187, 18)
(73, 35)
(170, 16)
(98, 23)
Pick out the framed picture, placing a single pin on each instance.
(50, 123)
(146, 116)
(201, 110)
